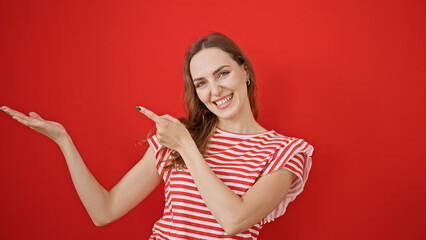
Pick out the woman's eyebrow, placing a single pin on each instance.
(214, 72)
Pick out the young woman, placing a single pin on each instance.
(225, 175)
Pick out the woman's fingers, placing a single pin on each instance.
(12, 112)
(35, 115)
(170, 131)
(29, 121)
(53, 130)
(34, 120)
(170, 118)
(21, 120)
(154, 117)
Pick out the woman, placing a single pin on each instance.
(225, 175)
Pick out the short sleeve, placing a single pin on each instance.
(162, 154)
(295, 157)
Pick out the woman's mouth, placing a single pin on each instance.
(224, 102)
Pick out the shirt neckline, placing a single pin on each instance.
(242, 134)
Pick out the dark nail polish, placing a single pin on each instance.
(2, 110)
(138, 108)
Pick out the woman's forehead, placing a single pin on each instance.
(206, 61)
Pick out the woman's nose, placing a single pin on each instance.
(216, 89)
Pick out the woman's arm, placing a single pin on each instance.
(235, 214)
(102, 206)
(105, 207)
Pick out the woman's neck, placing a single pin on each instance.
(244, 123)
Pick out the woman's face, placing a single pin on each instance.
(220, 83)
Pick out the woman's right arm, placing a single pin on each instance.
(103, 206)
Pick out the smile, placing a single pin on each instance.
(222, 103)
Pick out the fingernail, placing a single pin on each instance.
(138, 108)
(160, 115)
(2, 110)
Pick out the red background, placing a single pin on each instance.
(346, 76)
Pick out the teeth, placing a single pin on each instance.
(223, 101)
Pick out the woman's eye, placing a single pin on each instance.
(223, 73)
(199, 84)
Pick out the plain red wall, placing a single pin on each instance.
(347, 76)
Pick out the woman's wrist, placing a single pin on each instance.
(63, 140)
(188, 147)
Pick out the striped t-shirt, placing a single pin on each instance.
(239, 160)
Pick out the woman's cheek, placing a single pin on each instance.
(236, 82)
(203, 96)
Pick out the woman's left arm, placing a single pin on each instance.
(235, 214)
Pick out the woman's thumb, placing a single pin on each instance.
(35, 115)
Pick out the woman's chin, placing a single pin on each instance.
(227, 114)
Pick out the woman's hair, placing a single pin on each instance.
(201, 123)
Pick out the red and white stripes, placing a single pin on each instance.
(238, 160)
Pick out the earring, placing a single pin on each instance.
(248, 82)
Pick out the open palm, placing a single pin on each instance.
(53, 130)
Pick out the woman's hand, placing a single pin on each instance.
(53, 130)
(170, 131)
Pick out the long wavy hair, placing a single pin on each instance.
(201, 122)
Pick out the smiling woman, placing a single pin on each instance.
(223, 87)
(225, 175)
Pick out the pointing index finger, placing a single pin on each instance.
(149, 114)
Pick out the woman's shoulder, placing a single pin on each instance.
(286, 140)
(267, 137)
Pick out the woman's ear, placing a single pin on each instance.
(246, 70)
